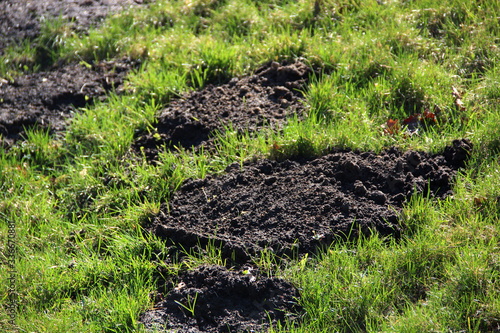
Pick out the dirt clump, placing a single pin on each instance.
(294, 206)
(268, 97)
(48, 100)
(222, 301)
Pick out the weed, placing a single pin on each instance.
(190, 306)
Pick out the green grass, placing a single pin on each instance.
(79, 201)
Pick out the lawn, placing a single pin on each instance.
(78, 204)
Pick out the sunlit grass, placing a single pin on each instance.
(80, 201)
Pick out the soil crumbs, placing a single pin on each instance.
(266, 98)
(49, 100)
(299, 205)
(222, 301)
(291, 208)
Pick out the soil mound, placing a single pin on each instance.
(268, 97)
(21, 20)
(47, 100)
(296, 206)
(224, 301)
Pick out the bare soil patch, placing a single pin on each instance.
(49, 100)
(295, 206)
(22, 20)
(266, 98)
(224, 301)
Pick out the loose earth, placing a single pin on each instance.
(265, 99)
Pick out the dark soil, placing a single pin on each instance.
(48, 100)
(226, 301)
(22, 20)
(292, 207)
(266, 98)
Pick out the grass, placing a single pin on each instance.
(79, 201)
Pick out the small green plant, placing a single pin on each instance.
(191, 304)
